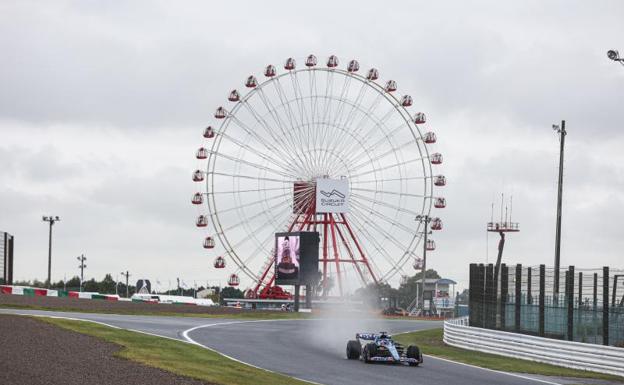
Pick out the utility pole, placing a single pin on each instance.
(424, 219)
(179, 288)
(562, 134)
(82, 266)
(51, 220)
(127, 275)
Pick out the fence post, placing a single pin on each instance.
(490, 297)
(472, 290)
(529, 297)
(595, 292)
(504, 293)
(542, 299)
(570, 294)
(518, 297)
(605, 305)
(580, 285)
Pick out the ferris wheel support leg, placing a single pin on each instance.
(332, 225)
(348, 247)
(357, 244)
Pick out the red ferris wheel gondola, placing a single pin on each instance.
(431, 245)
(439, 203)
(391, 86)
(198, 176)
(436, 158)
(332, 61)
(406, 101)
(201, 153)
(234, 280)
(311, 61)
(209, 132)
(202, 221)
(419, 118)
(373, 74)
(234, 96)
(430, 137)
(439, 180)
(436, 224)
(219, 262)
(197, 199)
(270, 71)
(353, 66)
(209, 243)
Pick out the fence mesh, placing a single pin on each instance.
(585, 305)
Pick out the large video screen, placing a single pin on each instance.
(296, 258)
(287, 258)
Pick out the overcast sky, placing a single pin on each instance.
(102, 106)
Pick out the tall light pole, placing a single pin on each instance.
(615, 56)
(51, 220)
(423, 219)
(82, 266)
(127, 275)
(562, 134)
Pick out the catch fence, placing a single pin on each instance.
(585, 305)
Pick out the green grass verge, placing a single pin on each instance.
(177, 357)
(430, 342)
(247, 315)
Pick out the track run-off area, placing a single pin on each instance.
(307, 349)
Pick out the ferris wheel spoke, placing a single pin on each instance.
(255, 165)
(383, 217)
(362, 228)
(247, 219)
(253, 133)
(255, 231)
(356, 181)
(363, 149)
(246, 191)
(263, 123)
(389, 167)
(250, 177)
(287, 134)
(392, 151)
(389, 237)
(366, 114)
(293, 121)
(250, 204)
(388, 192)
(253, 149)
(384, 204)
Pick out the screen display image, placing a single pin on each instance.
(287, 258)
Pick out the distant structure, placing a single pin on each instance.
(6, 258)
(505, 225)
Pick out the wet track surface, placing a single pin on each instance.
(312, 350)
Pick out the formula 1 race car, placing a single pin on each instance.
(380, 347)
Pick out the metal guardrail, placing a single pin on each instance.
(576, 355)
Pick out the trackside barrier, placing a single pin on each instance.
(576, 355)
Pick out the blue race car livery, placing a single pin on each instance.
(380, 347)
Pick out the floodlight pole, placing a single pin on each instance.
(82, 266)
(51, 220)
(425, 219)
(562, 134)
(127, 275)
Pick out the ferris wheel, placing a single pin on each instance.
(317, 148)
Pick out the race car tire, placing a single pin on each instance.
(353, 350)
(370, 350)
(414, 352)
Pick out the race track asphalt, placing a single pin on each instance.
(312, 350)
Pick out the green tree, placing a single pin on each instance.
(230, 292)
(107, 285)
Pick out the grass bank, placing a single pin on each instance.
(177, 357)
(430, 342)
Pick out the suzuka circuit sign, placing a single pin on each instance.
(332, 195)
